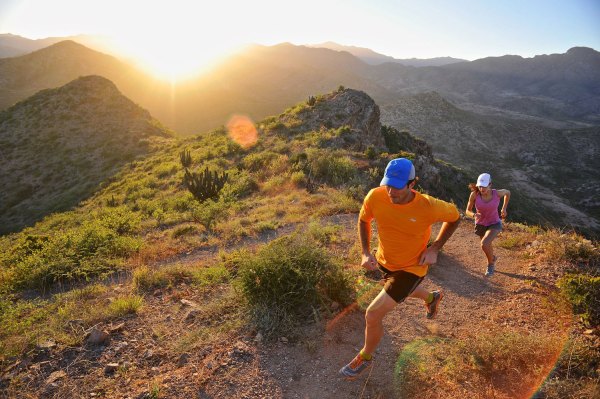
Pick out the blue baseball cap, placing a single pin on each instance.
(398, 172)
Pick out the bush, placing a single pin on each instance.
(208, 213)
(583, 291)
(330, 168)
(569, 247)
(125, 305)
(288, 280)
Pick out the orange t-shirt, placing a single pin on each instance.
(404, 230)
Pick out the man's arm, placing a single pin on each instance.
(429, 256)
(364, 233)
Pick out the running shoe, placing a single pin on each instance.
(355, 367)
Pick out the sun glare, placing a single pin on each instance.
(173, 58)
(241, 129)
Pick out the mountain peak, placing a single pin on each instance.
(583, 52)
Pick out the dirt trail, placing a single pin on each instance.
(306, 367)
(472, 304)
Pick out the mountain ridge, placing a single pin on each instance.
(373, 58)
(60, 145)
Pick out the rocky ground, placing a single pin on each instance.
(136, 357)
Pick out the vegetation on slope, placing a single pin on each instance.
(298, 173)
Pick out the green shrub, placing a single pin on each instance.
(583, 291)
(324, 234)
(330, 168)
(259, 161)
(288, 280)
(209, 276)
(240, 185)
(93, 249)
(209, 213)
(123, 306)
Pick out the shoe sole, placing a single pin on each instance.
(436, 308)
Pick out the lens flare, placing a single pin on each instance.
(241, 129)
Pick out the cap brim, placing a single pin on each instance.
(393, 182)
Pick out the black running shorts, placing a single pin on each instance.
(400, 284)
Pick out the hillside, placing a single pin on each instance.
(141, 291)
(506, 104)
(526, 157)
(60, 145)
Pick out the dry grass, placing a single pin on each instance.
(501, 366)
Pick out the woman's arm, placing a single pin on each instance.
(469, 211)
(506, 195)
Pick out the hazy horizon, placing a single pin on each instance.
(163, 37)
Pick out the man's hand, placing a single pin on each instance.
(429, 256)
(368, 262)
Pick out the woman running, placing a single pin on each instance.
(487, 220)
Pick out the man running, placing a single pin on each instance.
(404, 218)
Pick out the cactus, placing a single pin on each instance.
(205, 185)
(311, 101)
(186, 158)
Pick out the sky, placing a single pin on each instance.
(182, 35)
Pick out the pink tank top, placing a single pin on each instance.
(488, 210)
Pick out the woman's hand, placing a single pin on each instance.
(503, 213)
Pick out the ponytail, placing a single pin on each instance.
(473, 187)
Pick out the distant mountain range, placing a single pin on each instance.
(529, 116)
(558, 89)
(14, 45)
(373, 58)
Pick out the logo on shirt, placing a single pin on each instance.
(412, 219)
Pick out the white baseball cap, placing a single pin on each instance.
(484, 180)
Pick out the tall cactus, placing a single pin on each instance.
(205, 185)
(186, 158)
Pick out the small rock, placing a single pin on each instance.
(192, 314)
(49, 344)
(335, 306)
(57, 375)
(116, 328)
(258, 337)
(183, 359)
(187, 302)
(111, 368)
(97, 336)
(589, 332)
(284, 340)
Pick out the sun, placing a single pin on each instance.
(174, 58)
